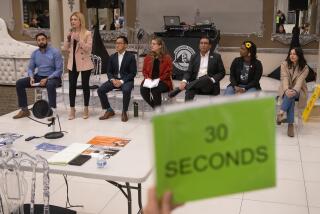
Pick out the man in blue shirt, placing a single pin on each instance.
(48, 62)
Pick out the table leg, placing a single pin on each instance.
(129, 198)
(139, 198)
(128, 194)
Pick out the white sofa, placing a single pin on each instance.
(14, 57)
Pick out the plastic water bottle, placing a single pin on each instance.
(135, 109)
(101, 161)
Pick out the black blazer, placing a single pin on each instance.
(255, 73)
(215, 69)
(128, 69)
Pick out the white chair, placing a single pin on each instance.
(14, 56)
(14, 184)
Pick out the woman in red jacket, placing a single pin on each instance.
(157, 67)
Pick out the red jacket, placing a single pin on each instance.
(165, 72)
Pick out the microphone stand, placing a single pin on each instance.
(54, 134)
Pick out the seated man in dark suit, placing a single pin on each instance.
(122, 68)
(205, 71)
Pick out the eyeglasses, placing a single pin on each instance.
(204, 43)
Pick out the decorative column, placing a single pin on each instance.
(55, 23)
(317, 32)
(318, 65)
(68, 7)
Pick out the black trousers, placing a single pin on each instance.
(153, 96)
(24, 83)
(73, 77)
(126, 89)
(203, 85)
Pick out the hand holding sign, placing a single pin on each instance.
(213, 150)
(154, 207)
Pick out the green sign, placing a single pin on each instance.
(215, 149)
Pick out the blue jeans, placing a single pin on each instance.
(288, 106)
(230, 90)
(24, 83)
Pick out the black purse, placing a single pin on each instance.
(312, 75)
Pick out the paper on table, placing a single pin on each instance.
(149, 83)
(66, 155)
(48, 147)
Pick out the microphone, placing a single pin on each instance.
(69, 35)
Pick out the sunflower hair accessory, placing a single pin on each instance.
(248, 45)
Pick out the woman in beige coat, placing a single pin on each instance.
(292, 87)
(79, 45)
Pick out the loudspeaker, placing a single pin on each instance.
(113, 4)
(103, 4)
(97, 3)
(298, 4)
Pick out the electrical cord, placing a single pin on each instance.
(48, 124)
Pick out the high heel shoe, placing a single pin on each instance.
(72, 113)
(85, 112)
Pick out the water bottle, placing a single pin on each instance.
(101, 161)
(135, 109)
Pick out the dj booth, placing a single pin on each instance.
(183, 41)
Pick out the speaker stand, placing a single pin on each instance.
(297, 18)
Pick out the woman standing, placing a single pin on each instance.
(157, 66)
(79, 45)
(292, 86)
(245, 71)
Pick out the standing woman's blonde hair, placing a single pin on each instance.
(82, 20)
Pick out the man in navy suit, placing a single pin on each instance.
(204, 73)
(122, 68)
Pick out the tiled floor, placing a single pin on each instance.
(298, 175)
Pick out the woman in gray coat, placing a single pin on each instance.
(292, 86)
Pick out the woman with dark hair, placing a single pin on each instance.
(157, 67)
(281, 29)
(294, 71)
(245, 71)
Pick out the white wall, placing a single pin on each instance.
(230, 16)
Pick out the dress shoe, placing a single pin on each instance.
(290, 130)
(85, 112)
(72, 113)
(124, 117)
(22, 114)
(107, 115)
(174, 92)
(280, 118)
